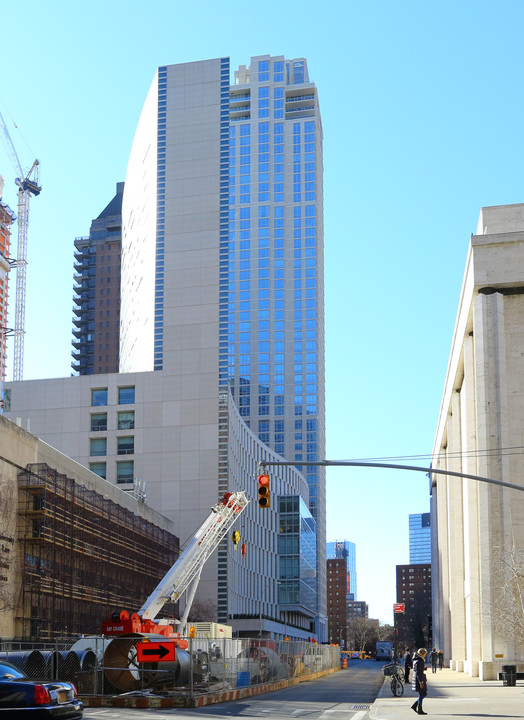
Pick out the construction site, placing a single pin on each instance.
(83, 556)
(111, 672)
(90, 579)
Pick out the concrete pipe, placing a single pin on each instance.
(31, 662)
(87, 660)
(71, 665)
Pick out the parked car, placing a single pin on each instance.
(21, 697)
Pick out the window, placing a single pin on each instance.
(126, 420)
(125, 471)
(99, 397)
(99, 468)
(98, 446)
(98, 421)
(263, 70)
(126, 395)
(125, 445)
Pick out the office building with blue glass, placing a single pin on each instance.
(344, 549)
(221, 333)
(420, 539)
(275, 329)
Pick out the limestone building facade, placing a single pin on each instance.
(477, 527)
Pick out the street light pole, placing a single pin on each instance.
(389, 466)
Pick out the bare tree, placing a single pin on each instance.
(386, 633)
(362, 634)
(202, 611)
(507, 609)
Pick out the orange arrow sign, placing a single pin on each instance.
(156, 651)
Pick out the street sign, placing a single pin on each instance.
(399, 607)
(156, 651)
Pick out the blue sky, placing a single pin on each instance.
(422, 113)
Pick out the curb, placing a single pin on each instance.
(152, 701)
(384, 691)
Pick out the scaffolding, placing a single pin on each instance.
(83, 556)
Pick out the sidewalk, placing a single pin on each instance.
(455, 695)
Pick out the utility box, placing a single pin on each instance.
(212, 630)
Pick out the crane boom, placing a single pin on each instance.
(13, 156)
(183, 572)
(197, 551)
(27, 186)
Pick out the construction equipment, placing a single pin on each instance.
(186, 571)
(27, 185)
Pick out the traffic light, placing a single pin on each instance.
(263, 491)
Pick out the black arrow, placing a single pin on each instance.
(161, 651)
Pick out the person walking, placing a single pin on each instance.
(433, 655)
(419, 681)
(440, 659)
(408, 664)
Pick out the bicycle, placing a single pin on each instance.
(396, 673)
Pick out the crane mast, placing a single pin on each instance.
(27, 186)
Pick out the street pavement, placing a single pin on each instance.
(350, 695)
(455, 695)
(344, 695)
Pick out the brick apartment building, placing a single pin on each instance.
(336, 601)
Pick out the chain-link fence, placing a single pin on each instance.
(109, 665)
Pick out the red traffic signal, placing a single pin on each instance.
(263, 491)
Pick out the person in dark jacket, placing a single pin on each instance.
(408, 664)
(433, 656)
(440, 659)
(419, 681)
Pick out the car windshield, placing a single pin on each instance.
(10, 670)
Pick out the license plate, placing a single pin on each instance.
(64, 696)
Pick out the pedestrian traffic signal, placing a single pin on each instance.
(263, 491)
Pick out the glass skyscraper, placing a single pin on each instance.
(420, 539)
(275, 322)
(345, 549)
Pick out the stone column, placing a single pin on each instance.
(493, 507)
(470, 505)
(456, 538)
(441, 555)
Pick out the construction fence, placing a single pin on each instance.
(102, 665)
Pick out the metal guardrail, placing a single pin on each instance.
(102, 665)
